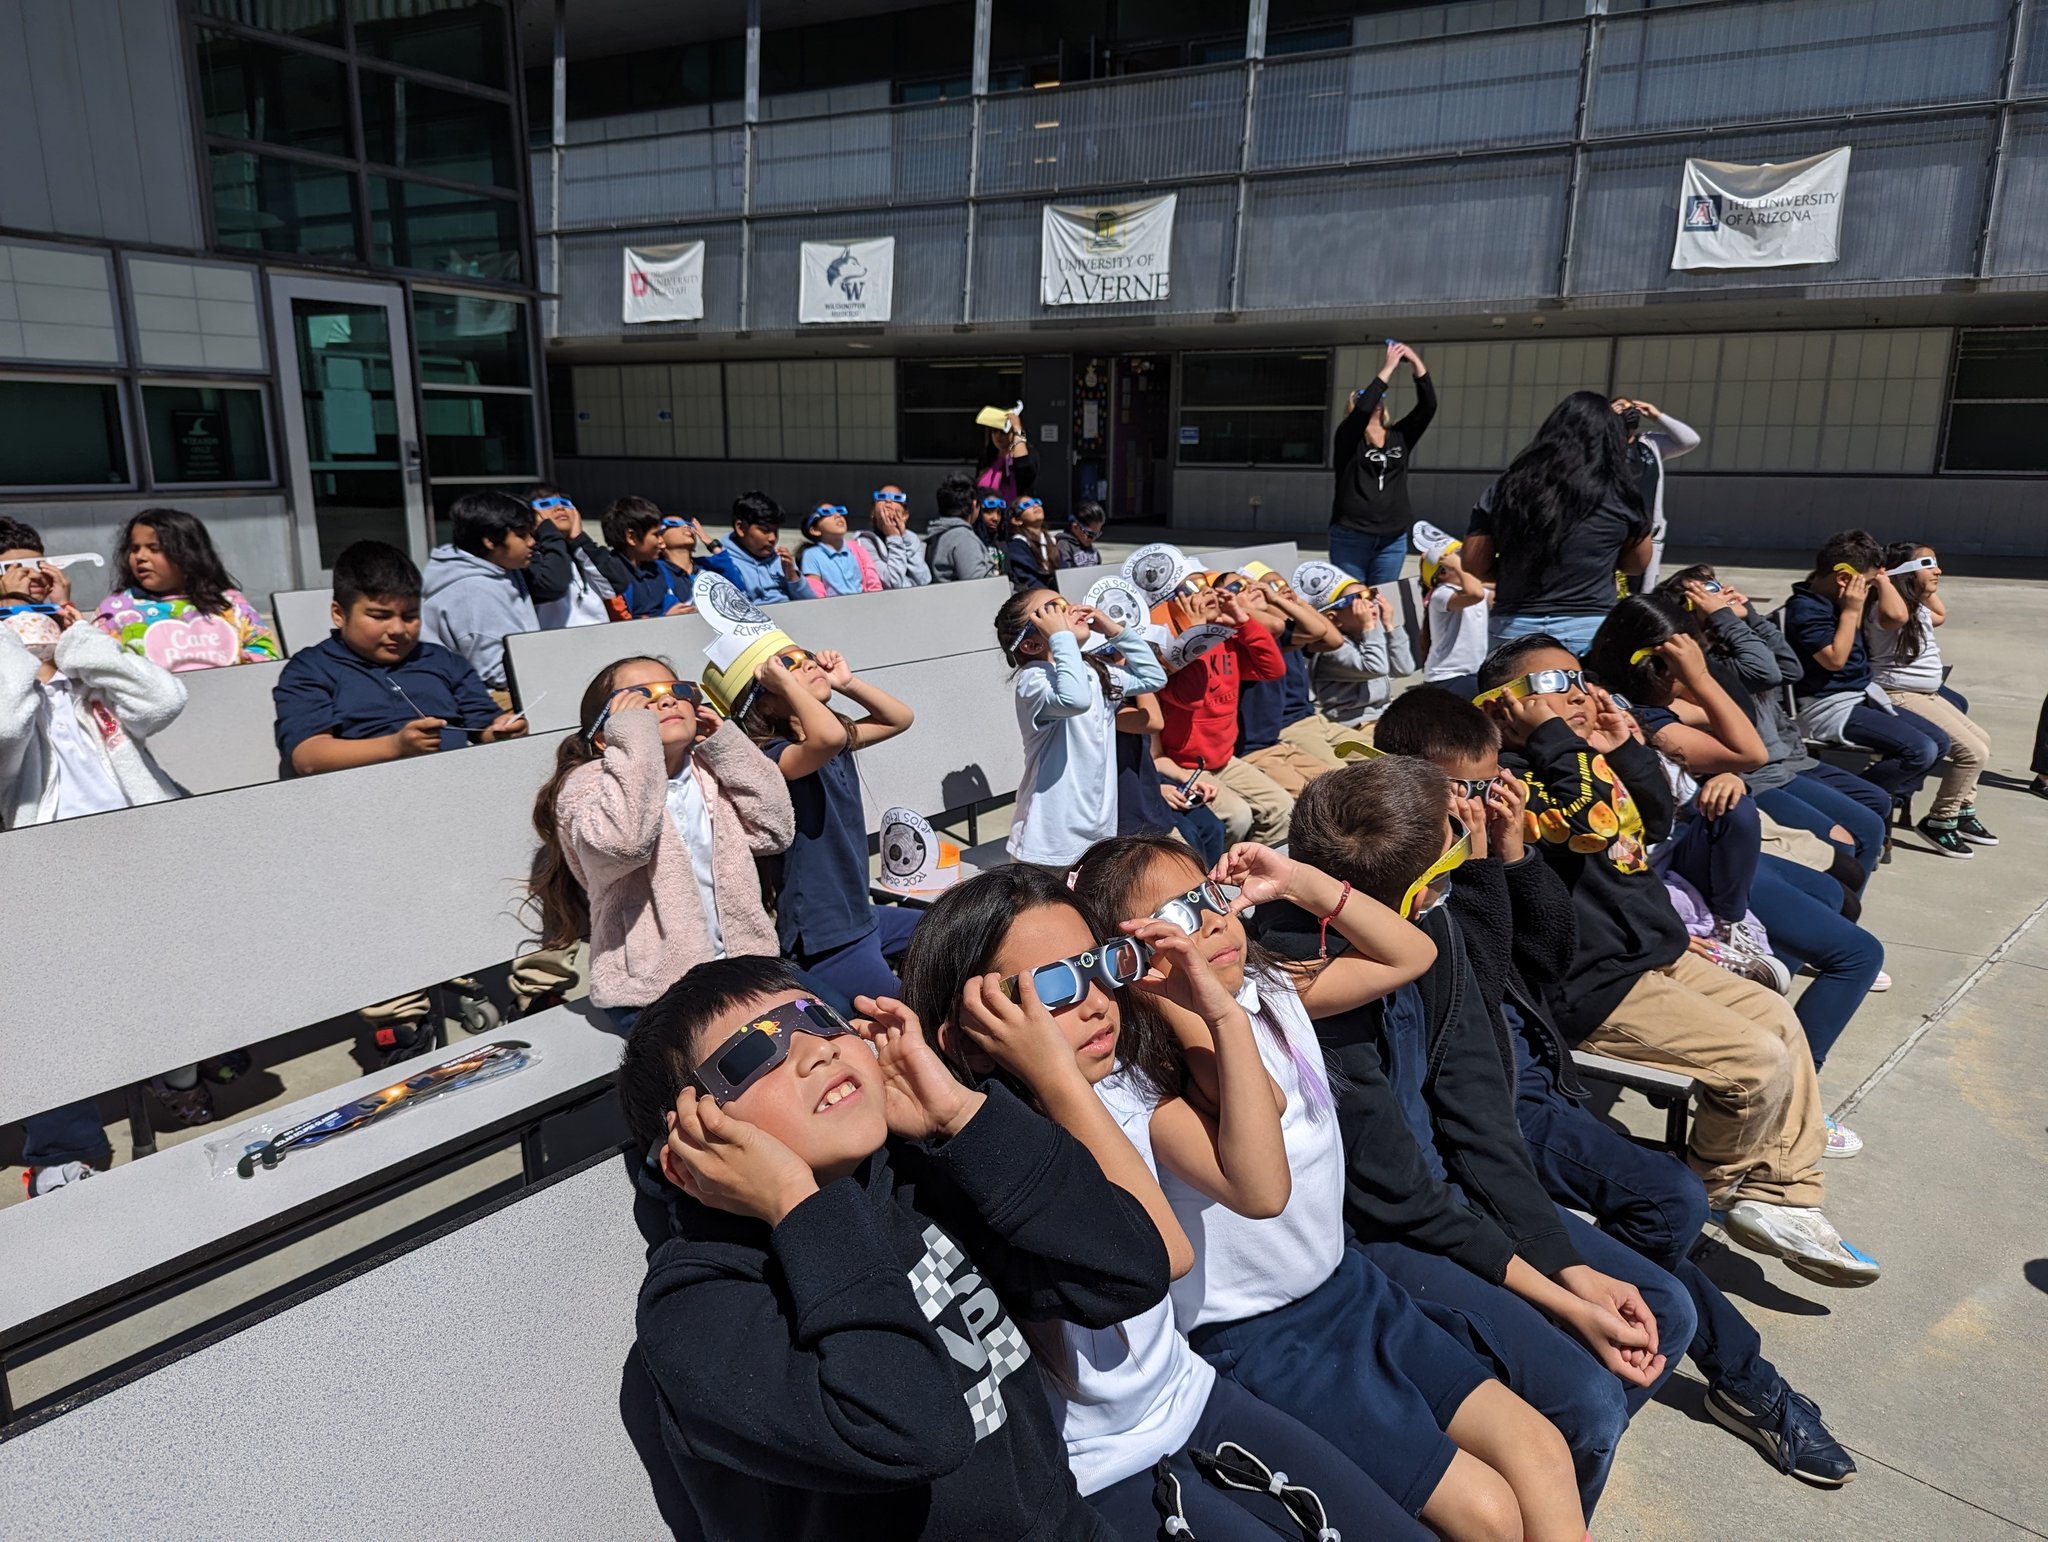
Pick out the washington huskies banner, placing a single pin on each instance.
(1761, 216)
(665, 283)
(847, 280)
(1104, 253)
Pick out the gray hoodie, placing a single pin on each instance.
(898, 558)
(472, 605)
(956, 550)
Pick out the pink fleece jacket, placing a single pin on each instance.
(646, 920)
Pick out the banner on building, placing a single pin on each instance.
(1733, 216)
(665, 283)
(847, 281)
(1104, 253)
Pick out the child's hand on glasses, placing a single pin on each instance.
(1682, 655)
(833, 662)
(921, 1097)
(1101, 624)
(59, 591)
(1051, 619)
(734, 1166)
(1471, 813)
(1705, 601)
(1231, 609)
(1261, 874)
(1611, 726)
(422, 736)
(1180, 970)
(1519, 716)
(1019, 1036)
(1507, 797)
(708, 721)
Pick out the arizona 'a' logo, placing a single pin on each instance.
(1703, 211)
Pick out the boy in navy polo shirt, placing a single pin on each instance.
(373, 691)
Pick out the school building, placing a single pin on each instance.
(311, 268)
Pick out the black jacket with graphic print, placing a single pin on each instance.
(1372, 484)
(1626, 923)
(856, 1371)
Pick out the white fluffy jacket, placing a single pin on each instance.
(140, 698)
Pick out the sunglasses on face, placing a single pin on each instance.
(895, 498)
(795, 658)
(1233, 583)
(1206, 898)
(1117, 962)
(1056, 605)
(543, 505)
(1431, 889)
(656, 693)
(825, 510)
(993, 504)
(1029, 503)
(672, 523)
(1471, 787)
(1543, 682)
(762, 1045)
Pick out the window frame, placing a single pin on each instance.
(226, 382)
(126, 409)
(902, 411)
(264, 371)
(424, 388)
(121, 360)
(1319, 408)
(1950, 401)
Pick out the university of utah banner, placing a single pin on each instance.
(665, 283)
(847, 281)
(1733, 216)
(1102, 254)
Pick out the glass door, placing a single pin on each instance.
(346, 366)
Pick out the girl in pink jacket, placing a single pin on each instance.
(648, 830)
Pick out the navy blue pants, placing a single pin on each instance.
(1824, 796)
(72, 1133)
(1652, 1202)
(2040, 761)
(1801, 909)
(861, 967)
(1371, 559)
(1906, 743)
(1352, 1502)
(1718, 857)
(623, 1018)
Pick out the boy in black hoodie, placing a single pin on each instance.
(1441, 1191)
(838, 1239)
(1522, 936)
(1635, 990)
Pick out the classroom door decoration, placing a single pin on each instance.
(1103, 254)
(664, 283)
(847, 281)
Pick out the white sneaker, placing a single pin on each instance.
(1804, 1238)
(47, 1180)
(1842, 1141)
(1881, 984)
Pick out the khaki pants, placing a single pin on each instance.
(1969, 751)
(1292, 767)
(1759, 1124)
(1252, 806)
(1320, 736)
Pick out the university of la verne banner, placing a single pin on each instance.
(847, 281)
(1104, 253)
(1733, 216)
(665, 283)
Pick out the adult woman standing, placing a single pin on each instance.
(1369, 512)
(1006, 468)
(1557, 526)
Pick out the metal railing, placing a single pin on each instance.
(1535, 163)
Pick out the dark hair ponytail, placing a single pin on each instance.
(1912, 589)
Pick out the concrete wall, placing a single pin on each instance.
(706, 488)
(250, 529)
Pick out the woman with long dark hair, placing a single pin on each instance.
(1559, 524)
(174, 602)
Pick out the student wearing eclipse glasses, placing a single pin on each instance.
(893, 551)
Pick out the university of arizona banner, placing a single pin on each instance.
(847, 280)
(1101, 254)
(1733, 216)
(665, 283)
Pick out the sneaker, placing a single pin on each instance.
(44, 1180)
(1881, 984)
(1971, 829)
(1842, 1141)
(1803, 1237)
(1946, 838)
(1759, 968)
(187, 1106)
(223, 1069)
(1789, 1432)
(2039, 787)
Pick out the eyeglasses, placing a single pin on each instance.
(1207, 897)
(656, 692)
(1544, 682)
(672, 523)
(1431, 889)
(1232, 1466)
(1472, 787)
(762, 1045)
(1231, 583)
(1117, 962)
(1029, 503)
(993, 503)
(895, 498)
(542, 505)
(795, 658)
(1056, 605)
(825, 509)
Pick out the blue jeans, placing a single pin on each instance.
(861, 967)
(1718, 857)
(1906, 743)
(1825, 796)
(1202, 830)
(1371, 559)
(72, 1133)
(1801, 909)
(1652, 1202)
(1575, 632)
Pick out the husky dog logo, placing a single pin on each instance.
(1703, 211)
(848, 274)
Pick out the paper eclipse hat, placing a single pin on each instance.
(1323, 584)
(746, 639)
(1184, 648)
(1159, 569)
(1435, 545)
(914, 858)
(1120, 600)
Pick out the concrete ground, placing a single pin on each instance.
(1936, 1377)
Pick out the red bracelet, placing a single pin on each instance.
(1323, 932)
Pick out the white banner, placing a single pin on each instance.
(1105, 253)
(1733, 216)
(665, 283)
(847, 281)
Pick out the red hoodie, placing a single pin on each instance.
(1200, 702)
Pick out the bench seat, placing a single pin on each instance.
(1665, 1089)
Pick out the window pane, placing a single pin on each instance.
(416, 226)
(192, 315)
(442, 133)
(263, 204)
(318, 20)
(56, 304)
(206, 434)
(1997, 437)
(349, 400)
(463, 38)
(2002, 364)
(276, 95)
(962, 384)
(479, 436)
(470, 340)
(61, 434)
(1251, 436)
(1253, 379)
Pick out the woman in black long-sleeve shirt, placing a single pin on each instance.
(1369, 511)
